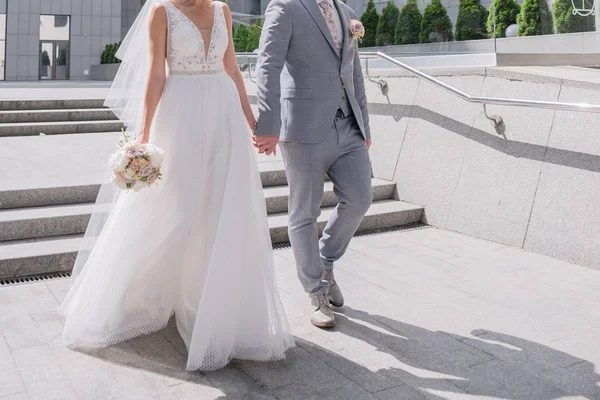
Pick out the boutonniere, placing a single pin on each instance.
(357, 30)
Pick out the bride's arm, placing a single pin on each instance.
(157, 76)
(233, 70)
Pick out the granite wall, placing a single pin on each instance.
(535, 187)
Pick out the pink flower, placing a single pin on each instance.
(152, 178)
(357, 30)
(146, 171)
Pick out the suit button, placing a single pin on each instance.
(343, 86)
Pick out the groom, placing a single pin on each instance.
(312, 101)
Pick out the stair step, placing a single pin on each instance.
(50, 104)
(277, 197)
(272, 174)
(37, 222)
(31, 116)
(381, 215)
(57, 254)
(57, 128)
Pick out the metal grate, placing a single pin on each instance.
(34, 278)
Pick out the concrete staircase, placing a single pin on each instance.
(54, 117)
(42, 222)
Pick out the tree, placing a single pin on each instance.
(505, 12)
(104, 55)
(109, 52)
(409, 24)
(566, 22)
(470, 23)
(62, 57)
(436, 26)
(386, 28)
(370, 20)
(45, 58)
(241, 39)
(535, 18)
(112, 56)
(254, 36)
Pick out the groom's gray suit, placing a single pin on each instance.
(313, 97)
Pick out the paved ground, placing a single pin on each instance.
(430, 315)
(61, 160)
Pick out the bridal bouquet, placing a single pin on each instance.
(135, 165)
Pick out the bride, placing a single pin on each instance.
(196, 245)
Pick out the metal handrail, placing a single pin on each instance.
(555, 105)
(484, 100)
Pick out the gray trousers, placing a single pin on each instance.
(344, 156)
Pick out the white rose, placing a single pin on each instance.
(118, 161)
(138, 185)
(120, 182)
(128, 173)
(156, 157)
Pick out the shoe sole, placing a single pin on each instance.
(325, 326)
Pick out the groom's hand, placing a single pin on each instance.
(266, 144)
(369, 143)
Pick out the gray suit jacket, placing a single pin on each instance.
(301, 77)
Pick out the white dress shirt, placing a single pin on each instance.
(336, 20)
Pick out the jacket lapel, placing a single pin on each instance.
(316, 14)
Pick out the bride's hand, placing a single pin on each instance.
(143, 138)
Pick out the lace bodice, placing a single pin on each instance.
(186, 52)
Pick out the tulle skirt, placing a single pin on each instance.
(196, 245)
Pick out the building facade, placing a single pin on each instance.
(63, 39)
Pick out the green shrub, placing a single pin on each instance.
(62, 57)
(471, 21)
(505, 12)
(45, 58)
(254, 36)
(240, 39)
(566, 22)
(436, 26)
(535, 18)
(386, 28)
(409, 24)
(370, 20)
(108, 51)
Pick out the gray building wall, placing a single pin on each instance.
(94, 24)
(129, 12)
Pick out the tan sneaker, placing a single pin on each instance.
(321, 316)
(336, 298)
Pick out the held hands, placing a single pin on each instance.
(369, 143)
(266, 144)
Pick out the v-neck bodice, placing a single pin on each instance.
(188, 52)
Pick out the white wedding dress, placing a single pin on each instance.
(196, 245)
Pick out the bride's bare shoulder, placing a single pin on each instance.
(158, 15)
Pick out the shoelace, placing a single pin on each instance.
(322, 299)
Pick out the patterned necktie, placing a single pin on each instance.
(326, 9)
